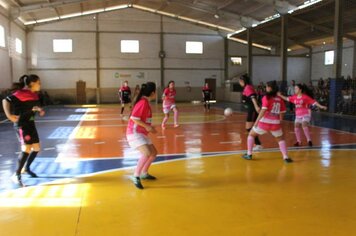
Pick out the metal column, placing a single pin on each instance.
(338, 35)
(284, 51)
(249, 53)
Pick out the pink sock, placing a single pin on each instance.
(165, 119)
(306, 132)
(283, 148)
(140, 164)
(298, 134)
(175, 117)
(250, 143)
(147, 165)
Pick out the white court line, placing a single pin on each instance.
(99, 143)
(161, 136)
(229, 142)
(47, 149)
(3, 121)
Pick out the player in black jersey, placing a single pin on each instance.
(20, 108)
(206, 92)
(125, 96)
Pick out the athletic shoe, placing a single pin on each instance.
(310, 144)
(257, 148)
(176, 125)
(17, 180)
(297, 144)
(137, 182)
(147, 176)
(247, 157)
(288, 160)
(32, 174)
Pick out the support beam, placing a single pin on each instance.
(284, 50)
(320, 27)
(162, 56)
(338, 43)
(354, 62)
(36, 7)
(97, 45)
(276, 37)
(249, 53)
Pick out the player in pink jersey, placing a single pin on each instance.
(302, 112)
(140, 124)
(269, 120)
(169, 103)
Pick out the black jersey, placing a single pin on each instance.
(22, 103)
(125, 93)
(207, 93)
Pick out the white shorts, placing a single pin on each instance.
(275, 133)
(138, 140)
(167, 109)
(301, 119)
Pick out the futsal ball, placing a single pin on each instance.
(228, 111)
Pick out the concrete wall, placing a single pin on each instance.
(320, 70)
(12, 64)
(60, 71)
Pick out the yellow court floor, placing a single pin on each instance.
(213, 195)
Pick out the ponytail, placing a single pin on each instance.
(305, 90)
(146, 90)
(274, 89)
(25, 81)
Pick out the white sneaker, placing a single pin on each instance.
(257, 148)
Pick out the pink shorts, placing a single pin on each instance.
(301, 119)
(168, 108)
(263, 128)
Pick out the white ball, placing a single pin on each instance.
(228, 111)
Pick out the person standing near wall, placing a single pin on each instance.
(169, 103)
(206, 92)
(125, 96)
(249, 99)
(302, 102)
(290, 92)
(140, 124)
(25, 103)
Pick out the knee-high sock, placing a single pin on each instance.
(283, 147)
(257, 140)
(140, 164)
(147, 164)
(122, 109)
(30, 159)
(306, 133)
(208, 105)
(298, 134)
(165, 119)
(21, 162)
(250, 143)
(175, 117)
(205, 105)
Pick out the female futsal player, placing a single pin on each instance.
(206, 92)
(125, 96)
(169, 103)
(24, 103)
(269, 120)
(249, 99)
(140, 124)
(302, 112)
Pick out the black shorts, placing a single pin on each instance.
(125, 101)
(206, 99)
(251, 115)
(27, 134)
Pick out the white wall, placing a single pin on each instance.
(8, 57)
(266, 68)
(320, 70)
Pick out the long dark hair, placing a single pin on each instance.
(25, 80)
(304, 88)
(172, 81)
(273, 85)
(246, 79)
(146, 90)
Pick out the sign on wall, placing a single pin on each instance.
(130, 75)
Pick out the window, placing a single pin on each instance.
(193, 47)
(18, 45)
(236, 61)
(329, 57)
(2, 36)
(130, 46)
(62, 45)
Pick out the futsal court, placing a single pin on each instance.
(83, 186)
